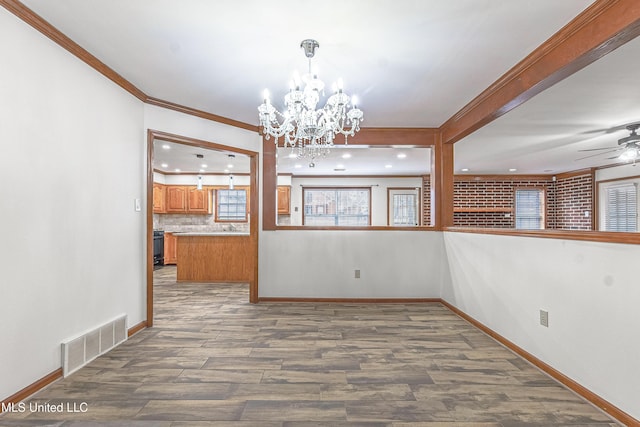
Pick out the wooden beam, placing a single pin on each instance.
(393, 136)
(269, 184)
(600, 29)
(442, 184)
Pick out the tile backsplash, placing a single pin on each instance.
(195, 223)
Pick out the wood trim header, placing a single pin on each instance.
(598, 30)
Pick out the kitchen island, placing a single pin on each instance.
(215, 257)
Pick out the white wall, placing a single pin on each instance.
(591, 291)
(170, 121)
(321, 264)
(71, 164)
(378, 193)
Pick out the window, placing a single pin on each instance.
(403, 206)
(621, 209)
(530, 209)
(231, 205)
(336, 206)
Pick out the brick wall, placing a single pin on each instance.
(574, 197)
(426, 200)
(490, 201)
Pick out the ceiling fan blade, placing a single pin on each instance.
(598, 149)
(598, 154)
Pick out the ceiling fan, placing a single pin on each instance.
(628, 146)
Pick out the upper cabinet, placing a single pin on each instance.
(198, 201)
(284, 199)
(159, 198)
(176, 199)
(181, 199)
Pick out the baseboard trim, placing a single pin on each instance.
(587, 394)
(136, 328)
(31, 389)
(353, 300)
(55, 375)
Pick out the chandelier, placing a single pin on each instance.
(309, 131)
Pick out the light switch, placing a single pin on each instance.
(137, 205)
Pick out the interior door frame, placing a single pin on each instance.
(152, 136)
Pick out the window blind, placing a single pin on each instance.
(621, 212)
(529, 214)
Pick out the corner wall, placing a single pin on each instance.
(71, 166)
(590, 290)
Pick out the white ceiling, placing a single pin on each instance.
(411, 63)
(180, 158)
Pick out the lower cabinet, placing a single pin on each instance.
(170, 249)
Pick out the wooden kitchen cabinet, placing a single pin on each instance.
(170, 249)
(182, 199)
(176, 199)
(159, 198)
(284, 199)
(198, 201)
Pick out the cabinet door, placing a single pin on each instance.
(198, 201)
(159, 198)
(176, 199)
(170, 249)
(284, 199)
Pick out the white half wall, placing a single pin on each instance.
(591, 291)
(71, 165)
(322, 263)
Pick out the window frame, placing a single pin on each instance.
(542, 208)
(217, 206)
(336, 189)
(391, 192)
(603, 200)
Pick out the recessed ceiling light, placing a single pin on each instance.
(229, 165)
(401, 156)
(339, 166)
(227, 170)
(164, 165)
(201, 170)
(204, 165)
(298, 166)
(177, 170)
(166, 147)
(513, 170)
(346, 156)
(388, 166)
(465, 169)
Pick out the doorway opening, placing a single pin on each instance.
(154, 136)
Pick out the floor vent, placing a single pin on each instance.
(80, 350)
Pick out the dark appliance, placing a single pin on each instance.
(158, 247)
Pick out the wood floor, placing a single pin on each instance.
(213, 359)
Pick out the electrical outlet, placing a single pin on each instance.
(357, 274)
(544, 318)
